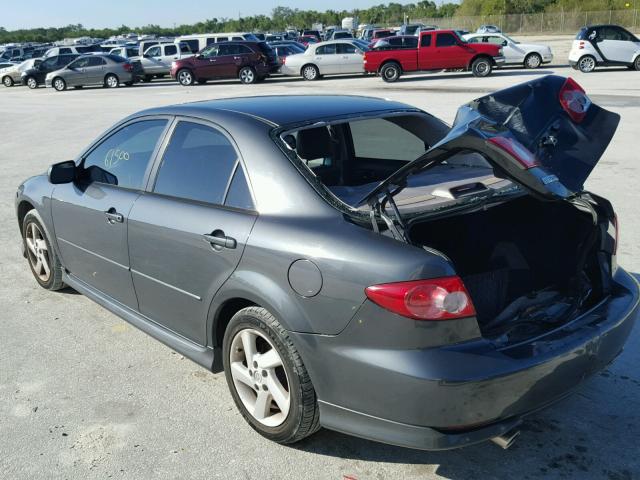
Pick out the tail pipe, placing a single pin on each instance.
(506, 439)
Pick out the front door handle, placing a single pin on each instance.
(113, 216)
(218, 239)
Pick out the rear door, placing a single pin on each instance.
(95, 71)
(90, 216)
(187, 234)
(426, 53)
(351, 60)
(170, 54)
(225, 60)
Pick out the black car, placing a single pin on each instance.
(34, 77)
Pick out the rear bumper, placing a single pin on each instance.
(450, 396)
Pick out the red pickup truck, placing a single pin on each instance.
(434, 50)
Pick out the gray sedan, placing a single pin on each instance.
(106, 70)
(351, 262)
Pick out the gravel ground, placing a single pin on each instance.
(85, 395)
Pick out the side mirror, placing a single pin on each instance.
(199, 57)
(63, 172)
(505, 43)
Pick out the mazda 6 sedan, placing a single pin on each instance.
(350, 262)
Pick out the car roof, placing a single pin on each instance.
(282, 110)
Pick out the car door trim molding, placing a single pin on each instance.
(168, 285)
(113, 262)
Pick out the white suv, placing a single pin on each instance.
(604, 45)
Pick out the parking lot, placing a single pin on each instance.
(85, 395)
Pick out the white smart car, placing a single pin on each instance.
(326, 58)
(530, 55)
(606, 46)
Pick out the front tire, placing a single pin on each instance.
(533, 60)
(43, 260)
(59, 84)
(7, 81)
(390, 72)
(247, 75)
(111, 81)
(636, 63)
(32, 83)
(587, 64)
(481, 67)
(267, 378)
(185, 77)
(310, 73)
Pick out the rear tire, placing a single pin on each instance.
(32, 83)
(247, 75)
(43, 260)
(111, 81)
(390, 72)
(310, 73)
(481, 67)
(59, 84)
(533, 60)
(267, 378)
(587, 64)
(185, 77)
(7, 81)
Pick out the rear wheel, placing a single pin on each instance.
(267, 379)
(533, 60)
(44, 263)
(111, 81)
(587, 64)
(390, 72)
(7, 81)
(481, 67)
(32, 83)
(185, 77)
(310, 73)
(59, 84)
(247, 75)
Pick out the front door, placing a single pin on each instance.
(90, 216)
(152, 61)
(187, 235)
(616, 44)
(449, 53)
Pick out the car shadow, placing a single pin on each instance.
(456, 75)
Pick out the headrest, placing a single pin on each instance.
(314, 143)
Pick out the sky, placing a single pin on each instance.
(18, 14)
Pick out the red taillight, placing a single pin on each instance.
(516, 150)
(581, 46)
(574, 100)
(434, 299)
(127, 67)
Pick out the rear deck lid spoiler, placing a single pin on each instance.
(546, 135)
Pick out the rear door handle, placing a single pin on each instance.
(218, 239)
(113, 216)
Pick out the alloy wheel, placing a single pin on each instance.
(37, 252)
(185, 77)
(59, 84)
(31, 83)
(8, 82)
(587, 64)
(112, 81)
(533, 61)
(259, 377)
(310, 72)
(247, 75)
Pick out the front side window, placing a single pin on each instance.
(154, 52)
(197, 164)
(122, 158)
(496, 40)
(225, 50)
(65, 50)
(80, 63)
(445, 40)
(211, 51)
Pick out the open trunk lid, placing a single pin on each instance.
(546, 135)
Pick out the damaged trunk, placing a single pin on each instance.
(529, 265)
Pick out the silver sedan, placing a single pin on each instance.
(326, 58)
(106, 70)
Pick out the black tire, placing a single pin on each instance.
(185, 77)
(31, 82)
(533, 60)
(587, 64)
(390, 72)
(7, 81)
(247, 75)
(147, 78)
(303, 416)
(111, 80)
(310, 72)
(54, 280)
(636, 63)
(59, 84)
(481, 67)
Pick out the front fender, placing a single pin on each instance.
(36, 192)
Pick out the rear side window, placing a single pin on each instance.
(197, 164)
(122, 158)
(345, 48)
(425, 40)
(96, 62)
(184, 48)
(410, 42)
(329, 49)
(239, 195)
(371, 139)
(170, 50)
(445, 40)
(225, 50)
(65, 50)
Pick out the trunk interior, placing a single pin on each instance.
(528, 265)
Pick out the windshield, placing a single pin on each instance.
(508, 38)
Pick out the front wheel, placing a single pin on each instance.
(390, 72)
(185, 78)
(636, 63)
(45, 264)
(32, 83)
(310, 73)
(247, 75)
(481, 67)
(7, 81)
(587, 64)
(59, 84)
(267, 378)
(533, 60)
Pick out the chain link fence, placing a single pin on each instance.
(540, 23)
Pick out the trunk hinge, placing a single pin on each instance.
(397, 227)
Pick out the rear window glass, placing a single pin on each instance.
(117, 58)
(265, 48)
(371, 140)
